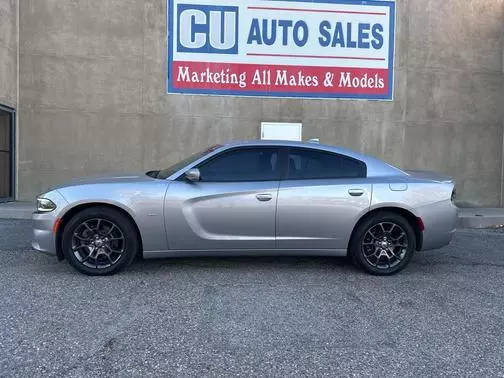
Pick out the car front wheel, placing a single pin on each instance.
(383, 244)
(100, 241)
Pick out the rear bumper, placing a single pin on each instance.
(440, 220)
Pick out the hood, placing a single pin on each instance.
(428, 175)
(108, 179)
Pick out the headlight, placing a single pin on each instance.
(45, 205)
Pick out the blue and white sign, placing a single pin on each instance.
(282, 48)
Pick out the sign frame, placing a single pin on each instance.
(389, 96)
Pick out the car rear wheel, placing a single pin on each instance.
(383, 244)
(100, 241)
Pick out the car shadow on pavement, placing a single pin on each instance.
(249, 263)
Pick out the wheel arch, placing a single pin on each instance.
(412, 219)
(82, 206)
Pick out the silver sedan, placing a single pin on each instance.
(254, 197)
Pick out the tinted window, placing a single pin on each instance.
(165, 173)
(313, 164)
(245, 164)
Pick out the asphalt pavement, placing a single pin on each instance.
(268, 316)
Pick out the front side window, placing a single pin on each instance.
(244, 164)
(165, 173)
(314, 164)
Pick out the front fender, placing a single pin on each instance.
(143, 201)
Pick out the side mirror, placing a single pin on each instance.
(193, 174)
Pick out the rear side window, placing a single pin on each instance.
(306, 163)
(244, 164)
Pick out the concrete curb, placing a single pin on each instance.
(16, 210)
(480, 218)
(468, 217)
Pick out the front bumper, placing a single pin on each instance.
(44, 238)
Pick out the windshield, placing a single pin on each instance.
(165, 173)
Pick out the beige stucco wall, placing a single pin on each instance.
(92, 96)
(8, 52)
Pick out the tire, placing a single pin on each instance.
(100, 241)
(376, 255)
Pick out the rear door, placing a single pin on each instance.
(320, 200)
(232, 206)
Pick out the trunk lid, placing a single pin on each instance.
(428, 175)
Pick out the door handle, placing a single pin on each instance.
(264, 197)
(356, 192)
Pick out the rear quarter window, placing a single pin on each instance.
(304, 163)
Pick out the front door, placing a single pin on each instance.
(323, 196)
(232, 206)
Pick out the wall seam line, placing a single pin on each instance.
(502, 167)
(502, 120)
(16, 125)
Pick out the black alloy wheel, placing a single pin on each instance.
(383, 244)
(100, 241)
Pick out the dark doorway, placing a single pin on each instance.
(6, 154)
